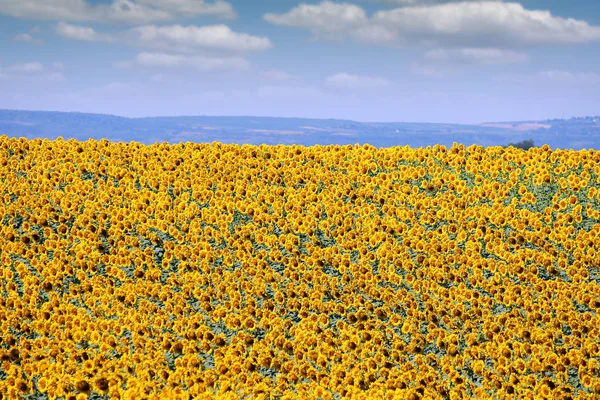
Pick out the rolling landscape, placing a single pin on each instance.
(299, 199)
(575, 133)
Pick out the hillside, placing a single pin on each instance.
(576, 133)
(214, 271)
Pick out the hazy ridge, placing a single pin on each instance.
(575, 133)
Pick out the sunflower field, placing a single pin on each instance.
(193, 271)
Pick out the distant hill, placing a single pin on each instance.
(574, 133)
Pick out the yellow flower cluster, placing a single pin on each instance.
(213, 270)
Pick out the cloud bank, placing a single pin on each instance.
(123, 11)
(460, 24)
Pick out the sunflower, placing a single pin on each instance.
(43, 384)
(77, 335)
(83, 386)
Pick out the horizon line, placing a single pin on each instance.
(288, 117)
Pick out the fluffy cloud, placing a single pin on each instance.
(192, 7)
(29, 70)
(75, 32)
(199, 63)
(42, 9)
(130, 12)
(349, 81)
(173, 38)
(192, 37)
(330, 20)
(327, 17)
(127, 11)
(28, 37)
(476, 56)
(461, 24)
(486, 21)
(419, 2)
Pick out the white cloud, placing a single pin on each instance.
(29, 70)
(75, 32)
(324, 17)
(329, 20)
(162, 60)
(476, 56)
(58, 65)
(128, 11)
(485, 21)
(190, 38)
(349, 81)
(27, 38)
(200, 63)
(172, 38)
(372, 33)
(193, 7)
(23, 37)
(43, 9)
(25, 68)
(420, 2)
(464, 24)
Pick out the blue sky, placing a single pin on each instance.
(368, 60)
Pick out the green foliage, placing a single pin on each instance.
(524, 144)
